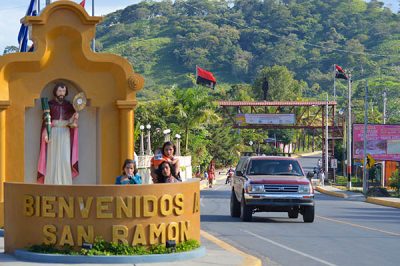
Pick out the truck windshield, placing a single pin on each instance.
(274, 167)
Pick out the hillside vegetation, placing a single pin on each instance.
(236, 39)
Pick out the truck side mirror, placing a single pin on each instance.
(239, 173)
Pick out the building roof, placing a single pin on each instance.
(275, 103)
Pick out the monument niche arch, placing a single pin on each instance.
(88, 136)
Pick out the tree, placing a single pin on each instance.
(394, 181)
(10, 49)
(194, 109)
(282, 85)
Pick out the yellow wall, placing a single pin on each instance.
(38, 213)
(62, 35)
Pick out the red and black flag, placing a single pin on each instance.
(340, 73)
(204, 77)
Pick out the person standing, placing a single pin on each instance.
(211, 173)
(58, 156)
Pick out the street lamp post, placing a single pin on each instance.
(141, 140)
(166, 134)
(178, 144)
(148, 150)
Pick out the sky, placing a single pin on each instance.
(13, 10)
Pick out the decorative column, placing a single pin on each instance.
(3, 106)
(126, 117)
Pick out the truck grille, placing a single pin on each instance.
(281, 188)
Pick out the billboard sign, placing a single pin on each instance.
(265, 119)
(383, 142)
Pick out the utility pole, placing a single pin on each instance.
(384, 122)
(349, 130)
(365, 179)
(384, 105)
(326, 138)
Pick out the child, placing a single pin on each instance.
(129, 174)
(167, 154)
(166, 173)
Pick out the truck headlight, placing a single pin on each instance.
(304, 189)
(256, 188)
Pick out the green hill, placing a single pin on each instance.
(235, 39)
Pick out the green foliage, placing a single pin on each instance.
(103, 248)
(394, 181)
(292, 44)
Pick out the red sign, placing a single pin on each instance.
(383, 142)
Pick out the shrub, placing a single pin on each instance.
(377, 192)
(101, 247)
(394, 181)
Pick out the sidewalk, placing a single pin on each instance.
(218, 252)
(336, 192)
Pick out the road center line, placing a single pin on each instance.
(290, 249)
(359, 226)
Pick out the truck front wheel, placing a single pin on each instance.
(246, 211)
(308, 214)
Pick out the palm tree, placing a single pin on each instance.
(194, 109)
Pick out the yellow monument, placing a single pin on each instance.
(91, 206)
(62, 36)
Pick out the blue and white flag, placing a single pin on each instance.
(23, 31)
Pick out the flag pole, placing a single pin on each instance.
(94, 38)
(334, 82)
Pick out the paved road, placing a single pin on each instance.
(343, 233)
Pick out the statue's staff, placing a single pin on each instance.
(46, 115)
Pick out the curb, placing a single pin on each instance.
(74, 259)
(305, 154)
(332, 193)
(248, 259)
(384, 202)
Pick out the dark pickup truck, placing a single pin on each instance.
(271, 184)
